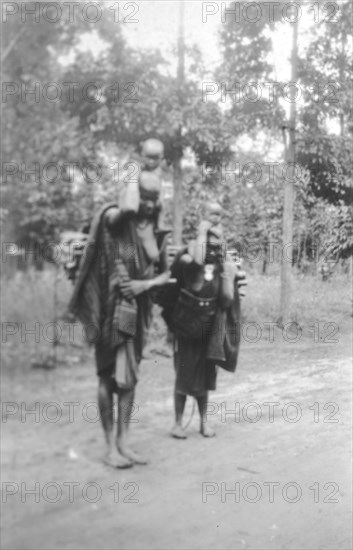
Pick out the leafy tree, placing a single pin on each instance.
(326, 157)
(327, 99)
(40, 137)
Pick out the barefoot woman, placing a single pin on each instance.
(125, 257)
(205, 318)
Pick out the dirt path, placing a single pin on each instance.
(180, 499)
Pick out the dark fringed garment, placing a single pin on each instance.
(196, 361)
(119, 338)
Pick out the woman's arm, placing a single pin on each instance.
(199, 247)
(134, 287)
(130, 197)
(227, 284)
(160, 280)
(129, 203)
(164, 271)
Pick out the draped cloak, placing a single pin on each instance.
(96, 295)
(196, 361)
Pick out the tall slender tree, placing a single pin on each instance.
(290, 155)
(177, 170)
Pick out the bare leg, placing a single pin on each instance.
(179, 406)
(105, 402)
(125, 408)
(205, 430)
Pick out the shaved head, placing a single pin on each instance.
(150, 182)
(211, 207)
(150, 190)
(153, 147)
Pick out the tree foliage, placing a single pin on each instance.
(123, 95)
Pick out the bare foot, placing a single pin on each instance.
(206, 431)
(178, 432)
(132, 455)
(114, 459)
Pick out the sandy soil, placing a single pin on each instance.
(179, 500)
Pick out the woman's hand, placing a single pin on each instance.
(134, 287)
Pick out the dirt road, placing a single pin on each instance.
(277, 475)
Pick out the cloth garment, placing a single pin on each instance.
(196, 361)
(121, 325)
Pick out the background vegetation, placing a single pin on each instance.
(209, 137)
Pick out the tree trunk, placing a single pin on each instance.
(177, 171)
(177, 203)
(264, 263)
(290, 156)
(341, 82)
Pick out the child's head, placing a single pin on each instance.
(152, 153)
(212, 212)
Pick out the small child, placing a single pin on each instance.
(152, 154)
(210, 231)
(212, 212)
(151, 157)
(209, 235)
